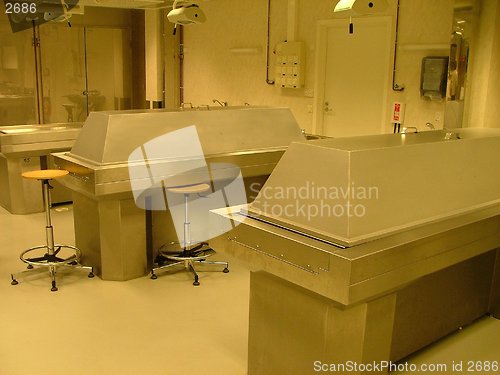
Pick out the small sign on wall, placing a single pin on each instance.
(398, 113)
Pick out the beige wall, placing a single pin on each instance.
(485, 69)
(492, 115)
(424, 28)
(212, 71)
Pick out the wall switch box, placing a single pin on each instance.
(290, 65)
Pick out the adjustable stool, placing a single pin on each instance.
(47, 256)
(187, 252)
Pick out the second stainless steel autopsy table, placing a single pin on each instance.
(366, 249)
(105, 163)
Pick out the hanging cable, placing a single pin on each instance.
(268, 81)
(395, 86)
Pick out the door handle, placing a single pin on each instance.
(327, 108)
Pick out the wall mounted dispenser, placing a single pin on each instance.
(433, 77)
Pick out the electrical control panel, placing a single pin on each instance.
(290, 65)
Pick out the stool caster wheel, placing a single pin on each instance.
(196, 282)
(153, 276)
(225, 270)
(30, 267)
(14, 282)
(54, 287)
(90, 275)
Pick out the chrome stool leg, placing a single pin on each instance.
(53, 275)
(154, 276)
(193, 271)
(213, 262)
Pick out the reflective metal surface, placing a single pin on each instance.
(36, 140)
(363, 188)
(251, 139)
(420, 264)
(25, 148)
(355, 274)
(17, 76)
(408, 289)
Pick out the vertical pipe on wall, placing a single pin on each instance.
(138, 60)
(181, 64)
(154, 57)
(171, 67)
(86, 63)
(293, 11)
(395, 86)
(38, 75)
(268, 81)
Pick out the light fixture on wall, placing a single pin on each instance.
(59, 15)
(185, 13)
(361, 6)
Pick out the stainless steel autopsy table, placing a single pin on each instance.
(389, 243)
(118, 153)
(25, 148)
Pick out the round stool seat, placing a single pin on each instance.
(189, 189)
(45, 174)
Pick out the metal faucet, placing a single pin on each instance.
(430, 126)
(185, 104)
(222, 104)
(409, 129)
(452, 135)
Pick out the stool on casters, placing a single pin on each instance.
(48, 255)
(188, 252)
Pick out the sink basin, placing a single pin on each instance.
(469, 133)
(24, 129)
(18, 131)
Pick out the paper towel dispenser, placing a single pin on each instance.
(433, 77)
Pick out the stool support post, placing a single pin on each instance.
(46, 201)
(187, 224)
(49, 230)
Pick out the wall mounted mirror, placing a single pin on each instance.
(460, 42)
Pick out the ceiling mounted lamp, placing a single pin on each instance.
(361, 6)
(186, 12)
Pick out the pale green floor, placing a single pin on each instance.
(141, 326)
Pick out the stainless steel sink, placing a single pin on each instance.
(27, 147)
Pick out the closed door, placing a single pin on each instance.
(356, 77)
